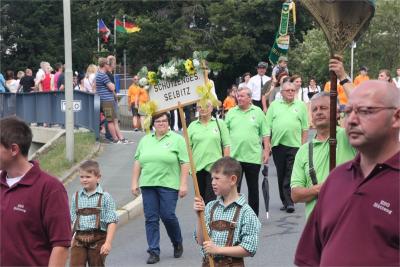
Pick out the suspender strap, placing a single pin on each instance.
(87, 211)
(229, 241)
(220, 136)
(98, 214)
(311, 164)
(76, 224)
(212, 214)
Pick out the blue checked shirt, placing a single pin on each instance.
(108, 212)
(247, 228)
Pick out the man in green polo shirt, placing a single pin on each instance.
(246, 125)
(287, 124)
(304, 183)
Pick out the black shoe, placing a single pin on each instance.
(153, 258)
(283, 208)
(178, 250)
(290, 209)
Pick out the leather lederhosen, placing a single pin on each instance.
(222, 225)
(88, 237)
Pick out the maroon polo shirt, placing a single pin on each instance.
(34, 219)
(356, 219)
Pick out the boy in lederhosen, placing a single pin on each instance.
(94, 219)
(232, 225)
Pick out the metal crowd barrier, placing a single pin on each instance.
(49, 107)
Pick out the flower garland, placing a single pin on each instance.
(149, 109)
(174, 70)
(206, 95)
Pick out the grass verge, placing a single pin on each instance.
(54, 161)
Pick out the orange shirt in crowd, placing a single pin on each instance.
(143, 96)
(133, 92)
(341, 93)
(229, 103)
(360, 78)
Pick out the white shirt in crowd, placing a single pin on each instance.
(255, 85)
(397, 81)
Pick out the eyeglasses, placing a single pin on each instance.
(289, 90)
(364, 111)
(160, 121)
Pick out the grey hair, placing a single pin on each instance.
(286, 84)
(319, 95)
(249, 92)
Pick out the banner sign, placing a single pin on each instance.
(282, 37)
(167, 94)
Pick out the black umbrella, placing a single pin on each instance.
(265, 188)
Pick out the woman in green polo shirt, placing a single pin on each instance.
(161, 163)
(209, 139)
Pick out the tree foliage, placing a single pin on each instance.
(237, 34)
(378, 47)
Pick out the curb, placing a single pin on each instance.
(47, 145)
(130, 211)
(67, 176)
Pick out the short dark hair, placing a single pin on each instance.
(15, 131)
(227, 166)
(90, 166)
(159, 115)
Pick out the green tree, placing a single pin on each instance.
(378, 47)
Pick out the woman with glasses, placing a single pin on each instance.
(160, 170)
(209, 139)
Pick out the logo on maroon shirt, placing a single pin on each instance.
(384, 206)
(20, 207)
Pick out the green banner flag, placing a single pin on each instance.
(282, 37)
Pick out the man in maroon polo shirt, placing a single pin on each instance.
(356, 219)
(35, 225)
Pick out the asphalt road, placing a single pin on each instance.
(278, 239)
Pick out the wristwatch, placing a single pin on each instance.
(345, 80)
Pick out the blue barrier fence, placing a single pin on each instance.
(49, 107)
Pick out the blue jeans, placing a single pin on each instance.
(160, 202)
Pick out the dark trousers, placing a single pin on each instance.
(251, 172)
(88, 252)
(257, 103)
(204, 181)
(284, 159)
(186, 110)
(160, 202)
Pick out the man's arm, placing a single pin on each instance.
(111, 86)
(264, 103)
(303, 194)
(267, 148)
(337, 66)
(58, 257)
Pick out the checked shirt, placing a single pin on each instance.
(108, 212)
(247, 227)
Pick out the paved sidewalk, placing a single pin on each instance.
(116, 162)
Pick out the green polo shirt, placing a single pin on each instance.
(246, 129)
(300, 174)
(286, 122)
(161, 159)
(205, 140)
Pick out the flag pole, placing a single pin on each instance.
(98, 34)
(115, 36)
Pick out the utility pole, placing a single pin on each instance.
(69, 93)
